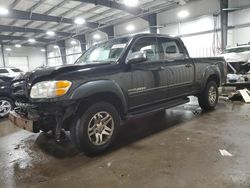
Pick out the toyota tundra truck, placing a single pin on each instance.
(113, 81)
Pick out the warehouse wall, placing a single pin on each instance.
(32, 55)
(197, 30)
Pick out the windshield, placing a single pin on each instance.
(236, 50)
(109, 51)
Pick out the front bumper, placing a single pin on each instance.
(44, 116)
(23, 123)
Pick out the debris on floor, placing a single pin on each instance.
(245, 95)
(224, 152)
(109, 164)
(239, 95)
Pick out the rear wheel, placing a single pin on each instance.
(96, 128)
(208, 99)
(6, 105)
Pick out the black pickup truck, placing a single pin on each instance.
(110, 82)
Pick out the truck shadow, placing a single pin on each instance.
(131, 131)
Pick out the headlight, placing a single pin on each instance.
(50, 89)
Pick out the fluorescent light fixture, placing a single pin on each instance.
(96, 36)
(18, 45)
(32, 40)
(4, 11)
(73, 42)
(130, 28)
(43, 50)
(183, 14)
(8, 49)
(55, 46)
(79, 21)
(50, 33)
(131, 3)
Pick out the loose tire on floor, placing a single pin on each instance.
(6, 105)
(96, 128)
(208, 99)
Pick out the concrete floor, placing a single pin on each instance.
(177, 149)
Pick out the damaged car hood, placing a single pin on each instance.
(41, 72)
(236, 57)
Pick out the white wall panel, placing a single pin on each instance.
(35, 57)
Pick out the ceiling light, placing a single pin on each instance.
(73, 42)
(3, 11)
(79, 21)
(43, 50)
(130, 28)
(8, 49)
(183, 14)
(50, 33)
(131, 3)
(18, 45)
(96, 36)
(32, 40)
(55, 46)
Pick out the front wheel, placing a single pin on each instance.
(6, 105)
(96, 128)
(208, 99)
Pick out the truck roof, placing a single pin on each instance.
(147, 34)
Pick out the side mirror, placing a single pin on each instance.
(137, 57)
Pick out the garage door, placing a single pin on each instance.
(19, 62)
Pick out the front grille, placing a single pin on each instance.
(19, 90)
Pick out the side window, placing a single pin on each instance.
(170, 49)
(3, 71)
(147, 45)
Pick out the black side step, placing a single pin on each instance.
(155, 108)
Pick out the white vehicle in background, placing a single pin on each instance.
(10, 71)
(238, 59)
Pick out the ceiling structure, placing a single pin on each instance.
(33, 18)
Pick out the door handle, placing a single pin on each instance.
(188, 65)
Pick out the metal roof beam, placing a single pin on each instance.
(114, 5)
(7, 37)
(6, 28)
(12, 5)
(25, 15)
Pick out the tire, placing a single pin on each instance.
(208, 99)
(96, 128)
(6, 105)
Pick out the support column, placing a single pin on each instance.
(152, 21)
(46, 55)
(224, 23)
(62, 47)
(110, 31)
(82, 40)
(3, 55)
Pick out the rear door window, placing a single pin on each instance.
(170, 49)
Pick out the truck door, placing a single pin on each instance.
(146, 76)
(178, 68)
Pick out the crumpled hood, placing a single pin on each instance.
(236, 57)
(47, 71)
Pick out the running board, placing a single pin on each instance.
(155, 108)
